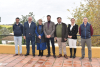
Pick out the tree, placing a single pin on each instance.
(25, 18)
(91, 10)
(4, 31)
(10, 29)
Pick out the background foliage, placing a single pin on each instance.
(91, 10)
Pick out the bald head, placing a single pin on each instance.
(30, 19)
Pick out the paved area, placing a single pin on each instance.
(7, 60)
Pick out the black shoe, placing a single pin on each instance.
(74, 56)
(81, 58)
(39, 55)
(34, 55)
(90, 59)
(48, 55)
(54, 56)
(26, 54)
(71, 56)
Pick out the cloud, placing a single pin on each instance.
(10, 9)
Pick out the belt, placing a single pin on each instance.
(29, 33)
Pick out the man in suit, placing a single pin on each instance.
(49, 28)
(29, 35)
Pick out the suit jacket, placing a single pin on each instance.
(73, 32)
(64, 31)
(29, 31)
(50, 30)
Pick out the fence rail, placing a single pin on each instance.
(9, 39)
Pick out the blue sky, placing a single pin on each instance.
(10, 9)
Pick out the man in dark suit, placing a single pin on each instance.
(29, 35)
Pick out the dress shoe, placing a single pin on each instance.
(15, 54)
(65, 56)
(60, 55)
(26, 54)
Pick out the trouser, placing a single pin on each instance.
(18, 40)
(61, 45)
(32, 39)
(48, 45)
(72, 43)
(88, 42)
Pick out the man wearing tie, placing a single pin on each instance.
(29, 35)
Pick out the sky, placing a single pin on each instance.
(10, 9)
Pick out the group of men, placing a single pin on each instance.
(51, 32)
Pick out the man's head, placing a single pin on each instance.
(48, 17)
(72, 21)
(30, 19)
(85, 20)
(17, 20)
(59, 19)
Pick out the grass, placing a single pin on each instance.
(7, 26)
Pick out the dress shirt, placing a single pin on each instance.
(60, 23)
(29, 24)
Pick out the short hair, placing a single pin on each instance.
(59, 18)
(40, 20)
(49, 16)
(85, 17)
(72, 18)
(17, 18)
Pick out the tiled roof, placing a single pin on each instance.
(9, 38)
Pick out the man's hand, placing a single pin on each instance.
(65, 39)
(49, 36)
(25, 37)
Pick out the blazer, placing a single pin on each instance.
(50, 30)
(29, 31)
(64, 31)
(73, 32)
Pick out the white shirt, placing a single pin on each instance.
(29, 24)
(60, 23)
(72, 26)
(17, 24)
